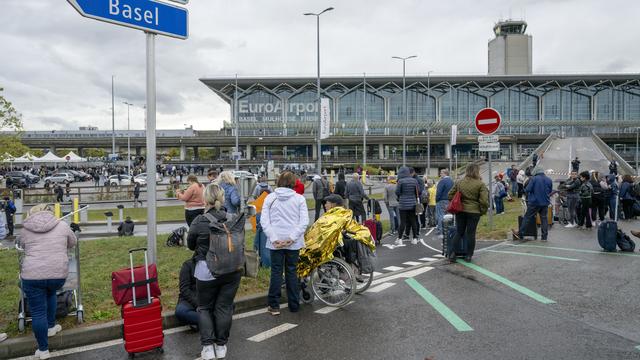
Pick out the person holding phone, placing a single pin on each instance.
(284, 220)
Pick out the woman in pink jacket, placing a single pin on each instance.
(45, 240)
(193, 198)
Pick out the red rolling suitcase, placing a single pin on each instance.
(372, 226)
(142, 328)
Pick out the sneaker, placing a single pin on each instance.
(208, 353)
(221, 351)
(3, 337)
(42, 354)
(273, 311)
(570, 226)
(414, 241)
(54, 330)
(399, 241)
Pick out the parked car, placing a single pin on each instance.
(125, 180)
(19, 179)
(142, 178)
(59, 177)
(84, 175)
(246, 174)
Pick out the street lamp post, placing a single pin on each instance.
(637, 135)
(429, 125)
(128, 139)
(235, 118)
(113, 119)
(318, 85)
(404, 105)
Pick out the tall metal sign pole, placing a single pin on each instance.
(404, 105)
(488, 122)
(365, 128)
(153, 18)
(113, 120)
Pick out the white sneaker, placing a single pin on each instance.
(208, 353)
(3, 337)
(399, 241)
(42, 354)
(54, 330)
(414, 241)
(221, 351)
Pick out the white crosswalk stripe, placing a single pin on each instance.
(393, 268)
(428, 259)
(411, 263)
(381, 287)
(272, 332)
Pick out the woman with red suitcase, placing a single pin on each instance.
(215, 294)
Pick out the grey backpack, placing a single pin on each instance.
(226, 245)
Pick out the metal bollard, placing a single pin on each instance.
(17, 200)
(109, 216)
(121, 212)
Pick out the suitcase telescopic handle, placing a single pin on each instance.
(146, 271)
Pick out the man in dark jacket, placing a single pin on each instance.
(136, 195)
(188, 299)
(320, 191)
(341, 186)
(126, 228)
(575, 165)
(59, 193)
(408, 192)
(538, 191)
(572, 185)
(355, 193)
(442, 198)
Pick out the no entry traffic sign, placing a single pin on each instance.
(488, 121)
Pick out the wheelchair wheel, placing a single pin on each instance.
(333, 282)
(306, 295)
(363, 280)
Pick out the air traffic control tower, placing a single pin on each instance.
(510, 50)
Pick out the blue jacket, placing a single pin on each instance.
(625, 191)
(407, 190)
(538, 190)
(442, 190)
(231, 198)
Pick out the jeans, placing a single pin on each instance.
(41, 295)
(394, 217)
(432, 215)
(408, 222)
(530, 215)
(260, 244)
(514, 188)
(466, 225)
(584, 213)
(190, 215)
(187, 314)
(441, 209)
(499, 204)
(215, 307)
(612, 207)
(284, 261)
(572, 204)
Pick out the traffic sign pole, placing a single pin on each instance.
(151, 147)
(490, 194)
(488, 122)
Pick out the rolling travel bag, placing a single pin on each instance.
(142, 327)
(531, 230)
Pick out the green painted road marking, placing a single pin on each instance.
(519, 288)
(443, 309)
(638, 347)
(536, 255)
(575, 250)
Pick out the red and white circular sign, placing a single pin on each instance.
(488, 121)
(67, 157)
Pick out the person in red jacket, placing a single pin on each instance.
(299, 186)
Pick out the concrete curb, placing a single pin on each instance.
(81, 336)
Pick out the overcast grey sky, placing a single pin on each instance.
(56, 66)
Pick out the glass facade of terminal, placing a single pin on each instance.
(539, 105)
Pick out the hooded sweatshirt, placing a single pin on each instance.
(539, 188)
(285, 217)
(45, 240)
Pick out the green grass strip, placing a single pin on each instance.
(575, 250)
(535, 255)
(440, 307)
(519, 288)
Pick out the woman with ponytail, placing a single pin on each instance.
(215, 294)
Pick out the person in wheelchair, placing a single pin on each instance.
(348, 250)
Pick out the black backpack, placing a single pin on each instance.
(624, 242)
(177, 237)
(325, 188)
(226, 244)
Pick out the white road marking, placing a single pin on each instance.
(487, 121)
(428, 259)
(376, 274)
(393, 268)
(329, 309)
(272, 332)
(412, 263)
(254, 312)
(78, 349)
(391, 247)
(406, 274)
(438, 255)
(430, 247)
(380, 287)
(429, 232)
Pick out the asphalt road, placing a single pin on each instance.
(557, 158)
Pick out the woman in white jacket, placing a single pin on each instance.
(284, 220)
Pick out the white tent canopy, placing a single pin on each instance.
(6, 157)
(73, 157)
(26, 158)
(50, 158)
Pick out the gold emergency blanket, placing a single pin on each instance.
(322, 238)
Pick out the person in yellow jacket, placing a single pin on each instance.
(431, 209)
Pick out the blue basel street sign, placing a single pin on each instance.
(148, 15)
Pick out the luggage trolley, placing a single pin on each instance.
(72, 283)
